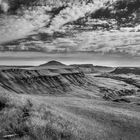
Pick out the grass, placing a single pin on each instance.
(24, 121)
(32, 117)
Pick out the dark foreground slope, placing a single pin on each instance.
(63, 103)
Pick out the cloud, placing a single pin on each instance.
(124, 41)
(110, 42)
(98, 42)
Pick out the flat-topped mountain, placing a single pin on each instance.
(103, 68)
(90, 68)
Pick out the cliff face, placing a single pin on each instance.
(64, 80)
(39, 81)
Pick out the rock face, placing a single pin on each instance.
(39, 81)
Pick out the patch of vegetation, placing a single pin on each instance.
(13, 120)
(17, 123)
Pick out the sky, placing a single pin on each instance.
(56, 39)
(37, 58)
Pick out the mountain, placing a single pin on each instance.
(53, 63)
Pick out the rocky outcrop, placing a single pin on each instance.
(114, 95)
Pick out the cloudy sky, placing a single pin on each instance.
(45, 37)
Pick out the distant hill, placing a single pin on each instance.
(127, 70)
(53, 63)
(103, 68)
(90, 68)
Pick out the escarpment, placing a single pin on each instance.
(40, 81)
(57, 79)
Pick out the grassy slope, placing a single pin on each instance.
(67, 117)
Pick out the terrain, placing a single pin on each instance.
(54, 101)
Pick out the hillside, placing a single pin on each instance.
(59, 79)
(39, 81)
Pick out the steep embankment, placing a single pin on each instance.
(39, 81)
(63, 80)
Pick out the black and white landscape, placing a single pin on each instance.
(69, 70)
